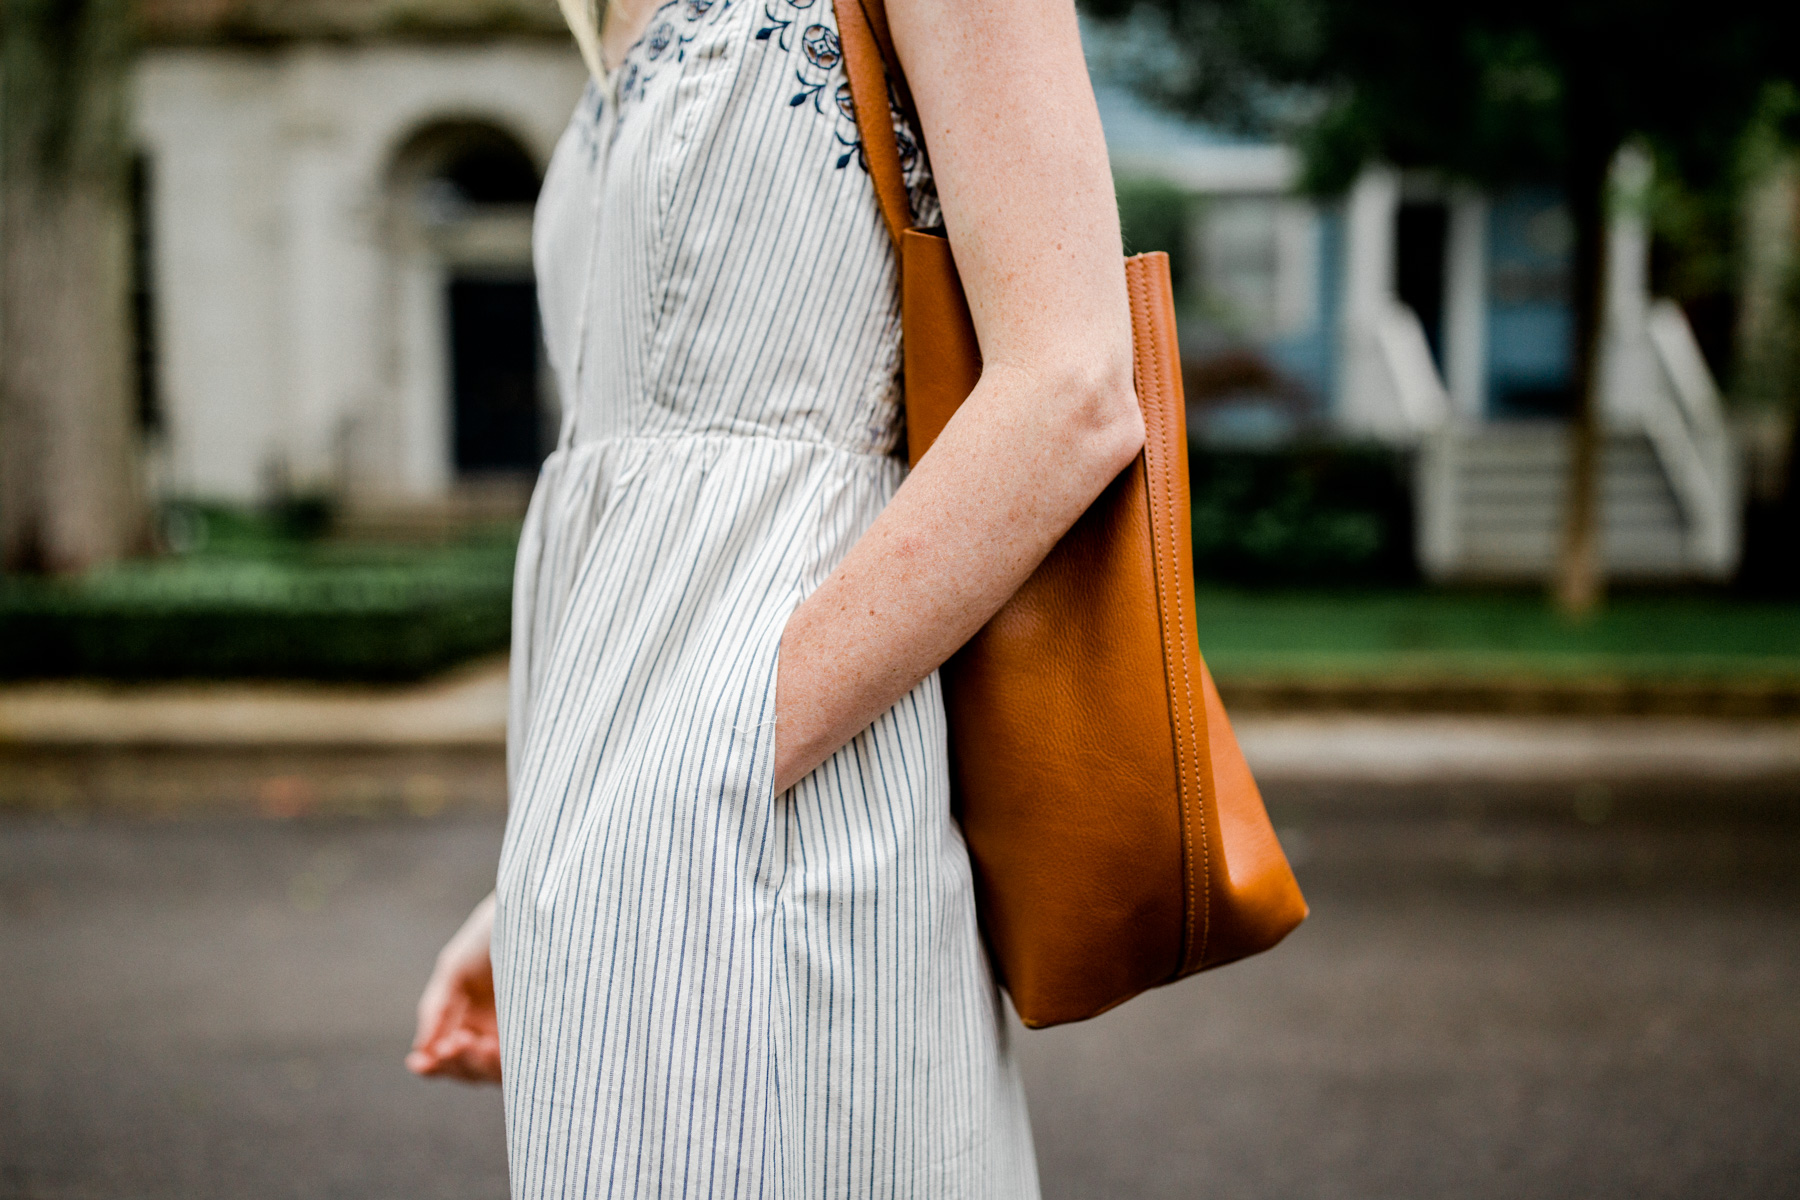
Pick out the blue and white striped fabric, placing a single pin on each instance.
(706, 989)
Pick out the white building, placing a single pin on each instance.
(337, 216)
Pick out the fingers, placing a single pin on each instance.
(463, 1054)
(439, 1009)
(463, 975)
(459, 978)
(455, 1035)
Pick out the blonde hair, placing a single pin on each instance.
(584, 18)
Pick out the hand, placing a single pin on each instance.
(459, 1034)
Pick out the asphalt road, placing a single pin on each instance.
(1578, 996)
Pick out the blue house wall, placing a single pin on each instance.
(1309, 355)
(1529, 315)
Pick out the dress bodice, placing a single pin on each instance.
(710, 256)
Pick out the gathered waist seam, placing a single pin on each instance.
(722, 438)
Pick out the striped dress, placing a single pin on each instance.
(705, 988)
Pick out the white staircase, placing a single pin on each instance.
(1493, 497)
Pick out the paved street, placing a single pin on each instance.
(1505, 992)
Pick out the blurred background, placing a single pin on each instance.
(1490, 321)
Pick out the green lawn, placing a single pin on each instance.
(1458, 635)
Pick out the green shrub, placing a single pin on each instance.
(252, 600)
(1309, 515)
(257, 595)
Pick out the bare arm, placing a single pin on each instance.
(1016, 146)
(1021, 168)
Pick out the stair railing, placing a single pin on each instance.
(1685, 422)
(1422, 403)
(1419, 395)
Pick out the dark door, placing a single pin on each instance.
(1421, 231)
(494, 366)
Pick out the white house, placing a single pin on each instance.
(1433, 317)
(336, 210)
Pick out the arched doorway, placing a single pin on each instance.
(465, 191)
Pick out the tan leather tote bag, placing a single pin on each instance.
(1118, 839)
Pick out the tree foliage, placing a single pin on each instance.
(1495, 92)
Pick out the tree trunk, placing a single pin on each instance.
(1580, 580)
(69, 495)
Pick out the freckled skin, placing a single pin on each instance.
(1021, 170)
(1054, 417)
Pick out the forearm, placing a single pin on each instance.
(1008, 476)
(1019, 157)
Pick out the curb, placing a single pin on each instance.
(1765, 697)
(1443, 748)
(267, 750)
(72, 782)
(291, 750)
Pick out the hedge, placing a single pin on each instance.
(262, 595)
(268, 606)
(1306, 515)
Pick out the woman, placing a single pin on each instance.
(733, 945)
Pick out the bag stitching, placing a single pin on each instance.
(1166, 583)
(1193, 732)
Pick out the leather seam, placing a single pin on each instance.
(1146, 360)
(1194, 739)
(1187, 683)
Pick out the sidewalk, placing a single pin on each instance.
(1423, 748)
(463, 708)
(268, 749)
(294, 749)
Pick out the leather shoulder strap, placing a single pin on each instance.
(876, 11)
(866, 56)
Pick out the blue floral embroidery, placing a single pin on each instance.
(658, 40)
(818, 72)
(779, 27)
(632, 81)
(662, 36)
(820, 45)
(589, 111)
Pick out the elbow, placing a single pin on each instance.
(1105, 421)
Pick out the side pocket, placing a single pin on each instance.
(754, 736)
